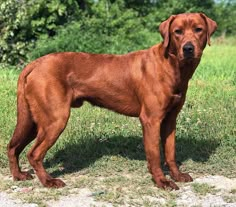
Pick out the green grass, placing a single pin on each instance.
(203, 189)
(103, 151)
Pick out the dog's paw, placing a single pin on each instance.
(23, 176)
(181, 177)
(166, 184)
(54, 183)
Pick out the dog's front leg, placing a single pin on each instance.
(168, 129)
(151, 133)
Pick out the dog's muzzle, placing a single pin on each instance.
(188, 50)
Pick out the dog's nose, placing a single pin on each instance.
(188, 50)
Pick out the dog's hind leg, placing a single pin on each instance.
(51, 120)
(23, 135)
(47, 136)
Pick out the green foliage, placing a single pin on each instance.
(23, 22)
(156, 11)
(225, 13)
(111, 29)
(116, 24)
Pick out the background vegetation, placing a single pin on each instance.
(30, 28)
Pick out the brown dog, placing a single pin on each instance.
(150, 84)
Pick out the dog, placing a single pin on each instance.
(150, 84)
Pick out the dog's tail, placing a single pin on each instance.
(23, 112)
(25, 124)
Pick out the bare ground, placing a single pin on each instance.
(205, 191)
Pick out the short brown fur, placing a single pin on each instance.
(150, 84)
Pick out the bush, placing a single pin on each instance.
(111, 29)
(23, 22)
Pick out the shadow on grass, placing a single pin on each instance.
(76, 156)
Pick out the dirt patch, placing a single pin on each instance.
(204, 191)
(220, 193)
(83, 197)
(6, 200)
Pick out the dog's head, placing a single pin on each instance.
(186, 35)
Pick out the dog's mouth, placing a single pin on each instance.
(190, 57)
(190, 52)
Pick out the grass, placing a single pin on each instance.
(203, 189)
(103, 151)
(231, 197)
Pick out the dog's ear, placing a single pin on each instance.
(211, 27)
(164, 30)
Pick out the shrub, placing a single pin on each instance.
(111, 29)
(23, 22)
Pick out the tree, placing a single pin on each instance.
(226, 17)
(110, 28)
(23, 22)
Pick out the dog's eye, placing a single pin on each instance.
(198, 29)
(178, 31)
